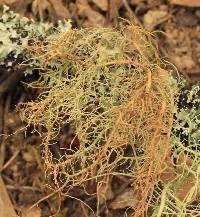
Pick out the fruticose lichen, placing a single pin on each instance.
(113, 90)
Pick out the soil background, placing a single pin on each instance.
(177, 26)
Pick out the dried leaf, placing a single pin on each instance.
(60, 9)
(105, 192)
(102, 4)
(186, 188)
(189, 3)
(6, 207)
(113, 12)
(39, 6)
(93, 17)
(33, 212)
(153, 18)
(129, 198)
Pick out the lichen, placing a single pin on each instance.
(17, 32)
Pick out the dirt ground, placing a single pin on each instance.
(177, 23)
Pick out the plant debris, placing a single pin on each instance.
(110, 87)
(189, 3)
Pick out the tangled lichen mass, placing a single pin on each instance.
(111, 87)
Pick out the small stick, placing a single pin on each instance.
(7, 164)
